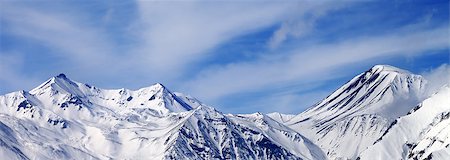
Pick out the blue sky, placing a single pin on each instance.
(238, 56)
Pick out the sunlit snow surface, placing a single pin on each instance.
(424, 133)
(353, 117)
(64, 119)
(366, 109)
(383, 113)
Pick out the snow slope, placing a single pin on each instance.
(64, 119)
(383, 113)
(353, 117)
(280, 117)
(422, 134)
(280, 134)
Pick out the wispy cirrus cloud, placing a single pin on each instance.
(63, 33)
(303, 24)
(319, 63)
(162, 38)
(182, 33)
(70, 43)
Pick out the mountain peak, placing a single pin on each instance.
(373, 98)
(59, 82)
(371, 92)
(61, 75)
(159, 85)
(388, 68)
(383, 66)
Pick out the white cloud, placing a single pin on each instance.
(65, 35)
(180, 33)
(302, 24)
(318, 63)
(288, 29)
(169, 36)
(437, 78)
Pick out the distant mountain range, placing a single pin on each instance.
(383, 113)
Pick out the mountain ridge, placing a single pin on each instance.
(66, 119)
(80, 121)
(356, 114)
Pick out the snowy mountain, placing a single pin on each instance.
(422, 134)
(383, 113)
(64, 119)
(279, 133)
(357, 114)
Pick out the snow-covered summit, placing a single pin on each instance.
(155, 97)
(388, 68)
(370, 92)
(59, 83)
(66, 119)
(358, 113)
